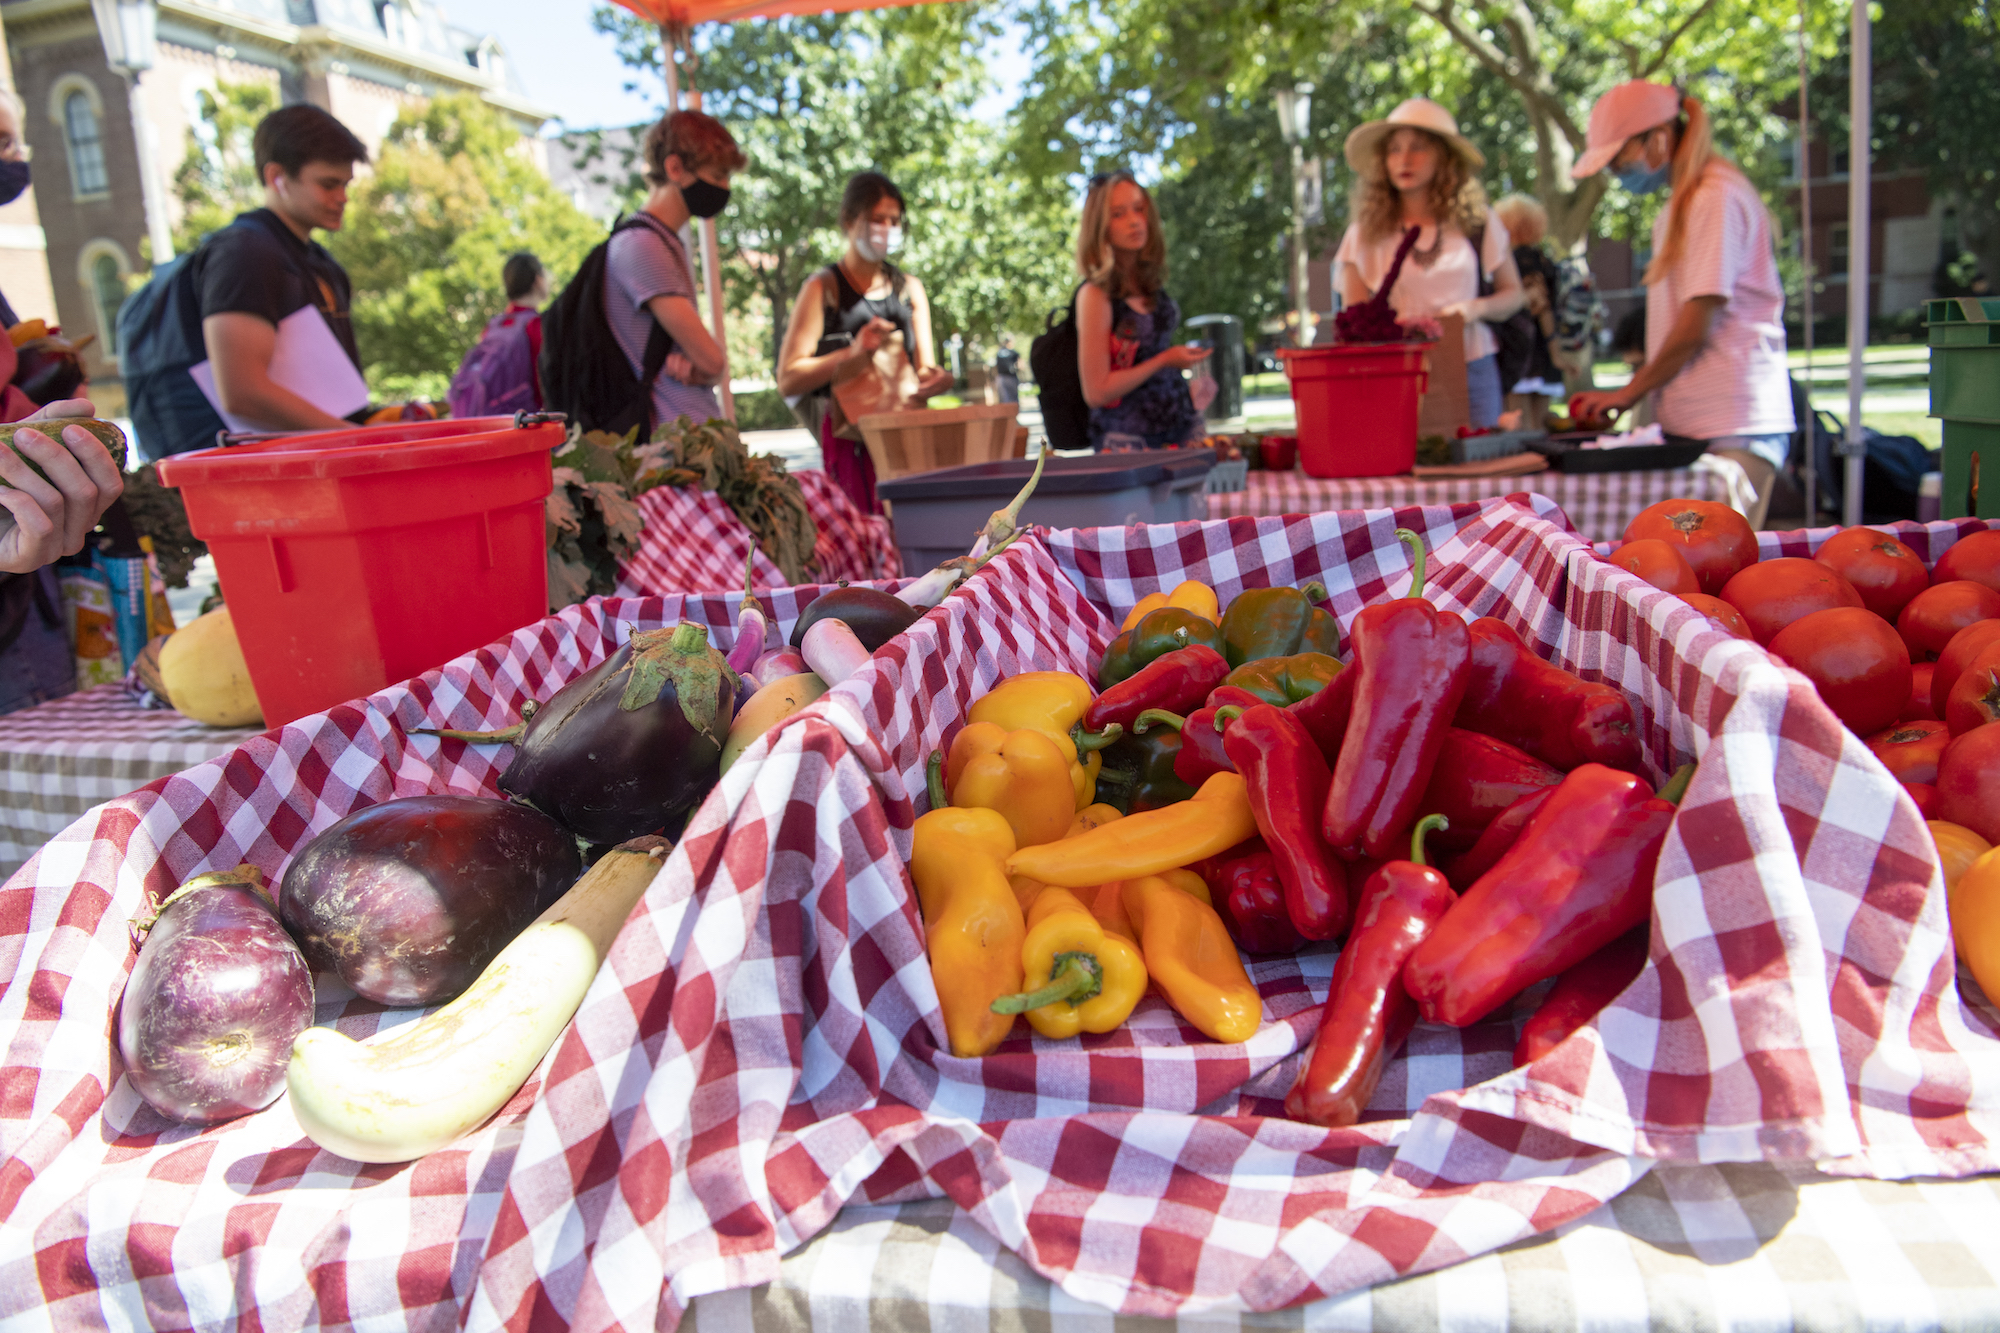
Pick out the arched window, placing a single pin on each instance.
(108, 286)
(86, 144)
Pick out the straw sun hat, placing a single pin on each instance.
(1364, 144)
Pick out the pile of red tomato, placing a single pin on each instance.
(1907, 657)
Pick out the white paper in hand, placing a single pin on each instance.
(309, 361)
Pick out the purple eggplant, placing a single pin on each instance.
(629, 747)
(873, 615)
(214, 1002)
(410, 899)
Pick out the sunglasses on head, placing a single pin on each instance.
(1106, 177)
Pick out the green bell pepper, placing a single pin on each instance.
(1278, 622)
(1285, 680)
(1157, 633)
(1139, 773)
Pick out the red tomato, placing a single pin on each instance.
(1885, 572)
(1716, 540)
(1942, 610)
(1911, 750)
(1968, 778)
(1975, 696)
(1773, 594)
(1658, 563)
(1926, 797)
(1976, 557)
(1919, 708)
(1721, 612)
(1854, 659)
(1965, 645)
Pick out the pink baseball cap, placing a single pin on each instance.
(1629, 109)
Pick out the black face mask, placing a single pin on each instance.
(14, 181)
(705, 200)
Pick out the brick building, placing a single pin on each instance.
(363, 60)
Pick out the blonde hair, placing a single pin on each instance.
(1097, 259)
(1526, 221)
(1455, 194)
(1694, 156)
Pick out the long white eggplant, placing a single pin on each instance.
(423, 1085)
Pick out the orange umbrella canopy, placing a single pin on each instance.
(686, 13)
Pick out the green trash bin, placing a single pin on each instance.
(1964, 336)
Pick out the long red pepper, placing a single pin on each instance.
(1553, 714)
(1250, 897)
(1202, 755)
(1581, 993)
(1288, 780)
(1325, 714)
(1476, 779)
(1368, 1011)
(1580, 876)
(1465, 869)
(1175, 681)
(1410, 670)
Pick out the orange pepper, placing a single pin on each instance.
(1975, 921)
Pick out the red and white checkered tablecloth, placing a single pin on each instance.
(60, 758)
(693, 543)
(1600, 504)
(764, 1042)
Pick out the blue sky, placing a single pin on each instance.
(574, 71)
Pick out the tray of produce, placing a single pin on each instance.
(1567, 452)
(1224, 914)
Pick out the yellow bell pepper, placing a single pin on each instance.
(973, 927)
(1198, 599)
(1022, 774)
(1079, 978)
(1148, 604)
(1191, 958)
(1975, 922)
(1957, 848)
(1053, 703)
(1215, 819)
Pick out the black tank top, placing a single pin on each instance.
(841, 322)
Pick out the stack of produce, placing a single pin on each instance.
(1237, 784)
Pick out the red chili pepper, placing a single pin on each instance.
(1581, 993)
(1368, 1011)
(1410, 662)
(1251, 899)
(1478, 777)
(1465, 869)
(1577, 879)
(1555, 715)
(1288, 780)
(1325, 714)
(1175, 681)
(1202, 755)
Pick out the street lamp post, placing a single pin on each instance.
(128, 29)
(1294, 116)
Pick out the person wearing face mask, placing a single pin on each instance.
(1414, 169)
(843, 315)
(1715, 332)
(1125, 322)
(13, 177)
(648, 281)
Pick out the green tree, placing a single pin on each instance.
(217, 179)
(452, 194)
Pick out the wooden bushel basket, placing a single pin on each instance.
(928, 439)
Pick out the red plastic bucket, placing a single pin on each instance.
(1357, 407)
(352, 559)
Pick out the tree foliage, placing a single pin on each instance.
(217, 179)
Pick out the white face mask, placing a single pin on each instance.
(876, 244)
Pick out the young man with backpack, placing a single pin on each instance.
(497, 377)
(624, 346)
(223, 303)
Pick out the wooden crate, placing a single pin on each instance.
(928, 439)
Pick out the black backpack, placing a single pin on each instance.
(159, 341)
(1059, 382)
(1892, 471)
(583, 369)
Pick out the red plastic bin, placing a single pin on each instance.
(1357, 407)
(352, 559)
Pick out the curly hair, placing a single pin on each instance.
(697, 139)
(1097, 259)
(1455, 194)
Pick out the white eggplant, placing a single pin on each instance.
(417, 1088)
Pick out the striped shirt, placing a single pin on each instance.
(1738, 383)
(644, 262)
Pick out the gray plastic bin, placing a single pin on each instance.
(940, 514)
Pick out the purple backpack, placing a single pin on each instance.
(498, 374)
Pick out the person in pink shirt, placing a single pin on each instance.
(1715, 331)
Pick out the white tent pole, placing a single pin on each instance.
(1809, 465)
(1859, 122)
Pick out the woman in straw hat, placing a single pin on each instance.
(1415, 169)
(1715, 331)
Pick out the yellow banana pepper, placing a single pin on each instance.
(1107, 904)
(1191, 958)
(1151, 602)
(1215, 819)
(1022, 774)
(1053, 703)
(1198, 599)
(973, 927)
(1189, 883)
(1093, 816)
(1079, 978)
